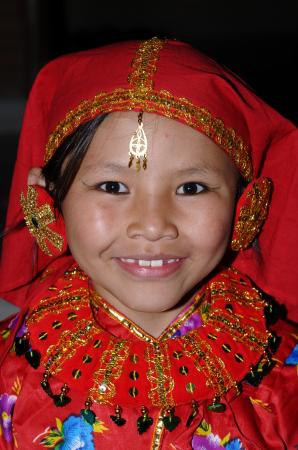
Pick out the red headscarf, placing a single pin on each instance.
(172, 79)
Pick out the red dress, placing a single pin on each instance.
(212, 380)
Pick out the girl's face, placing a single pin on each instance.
(147, 238)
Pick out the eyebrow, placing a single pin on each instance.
(109, 166)
(199, 170)
(187, 171)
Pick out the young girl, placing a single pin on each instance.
(144, 175)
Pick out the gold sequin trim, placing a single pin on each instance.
(159, 375)
(96, 301)
(157, 434)
(70, 341)
(72, 300)
(217, 377)
(142, 96)
(111, 368)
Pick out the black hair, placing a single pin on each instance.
(62, 168)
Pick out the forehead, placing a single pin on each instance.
(171, 144)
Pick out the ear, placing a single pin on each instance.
(35, 177)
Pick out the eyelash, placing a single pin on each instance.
(188, 188)
(190, 185)
(111, 184)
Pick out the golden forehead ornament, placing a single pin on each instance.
(138, 145)
(141, 95)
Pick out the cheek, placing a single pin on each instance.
(88, 224)
(211, 227)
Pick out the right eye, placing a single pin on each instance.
(112, 187)
(191, 188)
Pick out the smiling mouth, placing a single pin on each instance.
(149, 262)
(155, 268)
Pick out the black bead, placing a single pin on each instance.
(274, 342)
(118, 420)
(254, 378)
(21, 345)
(61, 400)
(88, 415)
(33, 358)
(171, 422)
(46, 387)
(143, 423)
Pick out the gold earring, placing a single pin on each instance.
(251, 212)
(138, 145)
(43, 222)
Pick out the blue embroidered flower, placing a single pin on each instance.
(74, 434)
(292, 359)
(234, 444)
(7, 403)
(78, 434)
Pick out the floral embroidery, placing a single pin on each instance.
(74, 433)
(204, 439)
(7, 403)
(258, 402)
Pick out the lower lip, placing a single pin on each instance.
(150, 272)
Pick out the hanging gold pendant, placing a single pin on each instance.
(138, 146)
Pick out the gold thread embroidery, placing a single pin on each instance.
(73, 300)
(159, 375)
(252, 214)
(235, 328)
(111, 367)
(144, 64)
(142, 96)
(37, 220)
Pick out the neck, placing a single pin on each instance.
(152, 322)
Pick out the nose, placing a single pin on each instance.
(151, 220)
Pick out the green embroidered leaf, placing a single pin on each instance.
(99, 426)
(59, 424)
(204, 428)
(53, 438)
(225, 440)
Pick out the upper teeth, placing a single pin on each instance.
(149, 262)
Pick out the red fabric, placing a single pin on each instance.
(184, 72)
(259, 418)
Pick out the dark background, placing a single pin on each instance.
(256, 39)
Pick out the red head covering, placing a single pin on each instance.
(172, 79)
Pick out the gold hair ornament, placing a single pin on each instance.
(138, 146)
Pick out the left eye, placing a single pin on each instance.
(113, 187)
(190, 188)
